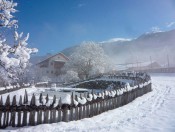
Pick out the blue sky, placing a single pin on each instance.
(57, 24)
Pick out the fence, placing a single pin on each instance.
(8, 89)
(35, 112)
(156, 70)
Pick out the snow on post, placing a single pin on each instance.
(82, 100)
(90, 97)
(66, 99)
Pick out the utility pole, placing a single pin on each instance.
(168, 61)
(151, 62)
(137, 64)
(126, 67)
(140, 65)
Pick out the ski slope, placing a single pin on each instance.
(154, 111)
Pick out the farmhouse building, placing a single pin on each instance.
(51, 67)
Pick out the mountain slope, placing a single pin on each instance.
(155, 45)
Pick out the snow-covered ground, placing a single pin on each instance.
(154, 111)
(59, 92)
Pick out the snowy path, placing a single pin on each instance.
(154, 111)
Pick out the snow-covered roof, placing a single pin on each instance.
(61, 54)
(59, 61)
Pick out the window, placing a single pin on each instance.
(52, 72)
(51, 63)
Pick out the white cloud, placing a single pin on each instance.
(116, 40)
(170, 24)
(81, 5)
(155, 29)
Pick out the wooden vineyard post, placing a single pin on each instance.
(84, 107)
(51, 115)
(119, 100)
(110, 103)
(87, 107)
(53, 110)
(59, 111)
(103, 102)
(1, 106)
(46, 111)
(25, 97)
(54, 115)
(115, 99)
(25, 116)
(40, 111)
(71, 108)
(95, 107)
(13, 112)
(39, 117)
(76, 109)
(65, 113)
(80, 109)
(128, 97)
(113, 102)
(25, 109)
(7, 105)
(106, 102)
(91, 109)
(98, 105)
(84, 111)
(92, 105)
(32, 111)
(19, 112)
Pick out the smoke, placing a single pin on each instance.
(154, 47)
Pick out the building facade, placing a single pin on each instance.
(51, 67)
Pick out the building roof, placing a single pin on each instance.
(64, 56)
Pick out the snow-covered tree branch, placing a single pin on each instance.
(70, 76)
(13, 56)
(88, 59)
(7, 7)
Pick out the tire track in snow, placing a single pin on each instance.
(160, 98)
(149, 104)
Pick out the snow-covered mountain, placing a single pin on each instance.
(157, 45)
(36, 59)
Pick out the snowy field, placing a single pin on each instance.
(154, 111)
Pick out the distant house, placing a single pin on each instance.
(153, 65)
(51, 67)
